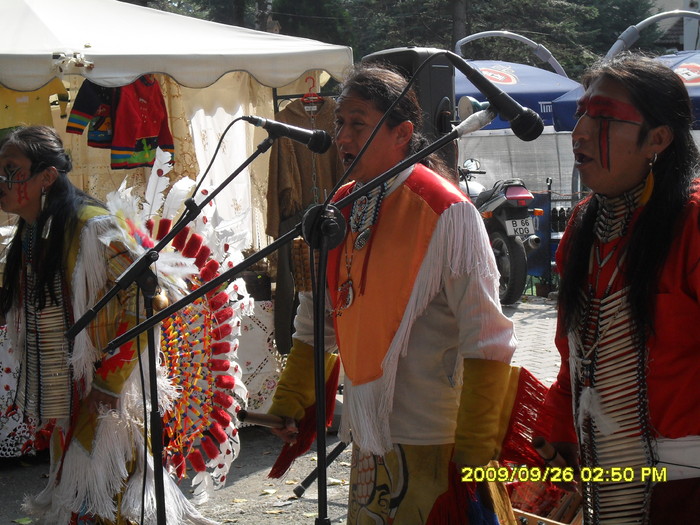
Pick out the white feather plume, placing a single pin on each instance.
(177, 195)
(157, 183)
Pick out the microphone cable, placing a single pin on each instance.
(213, 158)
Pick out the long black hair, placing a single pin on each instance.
(659, 94)
(381, 84)
(44, 148)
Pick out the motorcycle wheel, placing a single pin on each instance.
(511, 261)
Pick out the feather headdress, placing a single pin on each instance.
(199, 342)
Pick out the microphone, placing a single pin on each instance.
(525, 123)
(474, 122)
(316, 140)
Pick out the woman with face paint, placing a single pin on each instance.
(629, 300)
(415, 315)
(66, 253)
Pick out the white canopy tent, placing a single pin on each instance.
(113, 43)
(210, 73)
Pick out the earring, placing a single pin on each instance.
(652, 161)
(47, 225)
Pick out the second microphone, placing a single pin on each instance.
(316, 140)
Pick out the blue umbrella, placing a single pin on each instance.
(686, 64)
(564, 109)
(531, 86)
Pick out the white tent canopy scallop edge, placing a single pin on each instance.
(113, 43)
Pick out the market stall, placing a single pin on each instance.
(209, 73)
(205, 74)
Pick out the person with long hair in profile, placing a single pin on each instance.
(629, 300)
(66, 253)
(417, 321)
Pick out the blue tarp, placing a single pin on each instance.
(531, 86)
(686, 64)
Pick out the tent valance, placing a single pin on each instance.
(112, 43)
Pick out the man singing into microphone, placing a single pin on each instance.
(417, 321)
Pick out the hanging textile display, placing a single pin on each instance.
(93, 109)
(31, 107)
(258, 357)
(131, 120)
(298, 178)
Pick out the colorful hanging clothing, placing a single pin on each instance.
(636, 401)
(93, 108)
(131, 120)
(140, 125)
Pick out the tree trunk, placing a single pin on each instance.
(239, 13)
(459, 21)
(263, 8)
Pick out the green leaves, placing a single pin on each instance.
(576, 32)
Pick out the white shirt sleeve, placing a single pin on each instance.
(484, 332)
(304, 322)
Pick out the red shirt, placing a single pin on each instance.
(673, 373)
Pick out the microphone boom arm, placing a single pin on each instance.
(474, 122)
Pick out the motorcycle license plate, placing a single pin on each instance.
(520, 227)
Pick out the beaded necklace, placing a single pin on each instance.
(363, 216)
(28, 242)
(608, 366)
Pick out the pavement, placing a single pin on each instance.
(535, 320)
(250, 497)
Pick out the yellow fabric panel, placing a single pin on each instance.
(30, 107)
(295, 391)
(486, 402)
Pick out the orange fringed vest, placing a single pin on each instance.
(383, 282)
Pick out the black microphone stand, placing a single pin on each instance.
(323, 228)
(139, 271)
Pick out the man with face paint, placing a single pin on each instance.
(66, 252)
(626, 396)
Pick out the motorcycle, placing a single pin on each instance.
(509, 225)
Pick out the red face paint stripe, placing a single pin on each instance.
(22, 195)
(610, 108)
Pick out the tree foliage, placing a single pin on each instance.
(576, 32)
(233, 12)
(381, 24)
(325, 20)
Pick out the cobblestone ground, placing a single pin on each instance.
(249, 497)
(535, 320)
